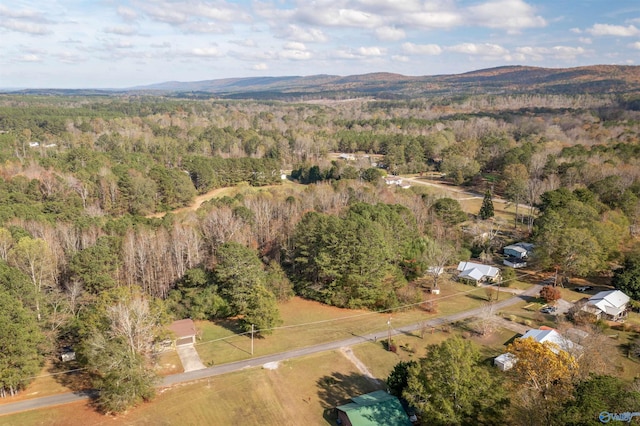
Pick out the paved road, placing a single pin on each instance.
(218, 370)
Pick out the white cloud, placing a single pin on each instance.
(122, 44)
(433, 20)
(30, 58)
(260, 67)
(298, 55)
(390, 6)
(68, 57)
(194, 16)
(567, 52)
(127, 13)
(163, 45)
(482, 49)
(613, 30)
(371, 51)
(13, 12)
(247, 42)
(121, 30)
(421, 49)
(635, 45)
(24, 27)
(338, 17)
(345, 54)
(205, 52)
(390, 33)
(556, 52)
(400, 58)
(295, 46)
(298, 33)
(585, 40)
(510, 15)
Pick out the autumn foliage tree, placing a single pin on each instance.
(543, 379)
(550, 294)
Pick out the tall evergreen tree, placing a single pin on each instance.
(19, 340)
(486, 210)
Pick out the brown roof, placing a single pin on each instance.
(183, 328)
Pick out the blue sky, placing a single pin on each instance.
(123, 43)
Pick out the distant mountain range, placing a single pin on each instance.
(597, 79)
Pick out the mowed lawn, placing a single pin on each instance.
(307, 323)
(298, 392)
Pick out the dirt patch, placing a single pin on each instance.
(347, 352)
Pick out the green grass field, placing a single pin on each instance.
(308, 323)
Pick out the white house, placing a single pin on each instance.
(548, 334)
(609, 304)
(478, 272)
(395, 180)
(543, 334)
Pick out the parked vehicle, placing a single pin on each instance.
(584, 288)
(548, 309)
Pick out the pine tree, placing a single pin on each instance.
(486, 211)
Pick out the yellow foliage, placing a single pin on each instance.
(543, 367)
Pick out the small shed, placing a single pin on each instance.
(373, 409)
(505, 361)
(67, 354)
(185, 332)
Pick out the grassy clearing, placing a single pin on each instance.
(50, 381)
(308, 323)
(169, 363)
(300, 391)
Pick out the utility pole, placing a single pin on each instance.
(252, 339)
(389, 333)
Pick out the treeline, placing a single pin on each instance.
(360, 260)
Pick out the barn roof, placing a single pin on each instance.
(375, 408)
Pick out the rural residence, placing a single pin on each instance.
(610, 305)
(477, 272)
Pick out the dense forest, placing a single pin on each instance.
(82, 177)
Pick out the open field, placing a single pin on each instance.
(305, 323)
(298, 391)
(308, 323)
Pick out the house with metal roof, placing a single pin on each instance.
(478, 272)
(608, 304)
(541, 335)
(373, 409)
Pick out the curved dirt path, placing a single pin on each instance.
(199, 200)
